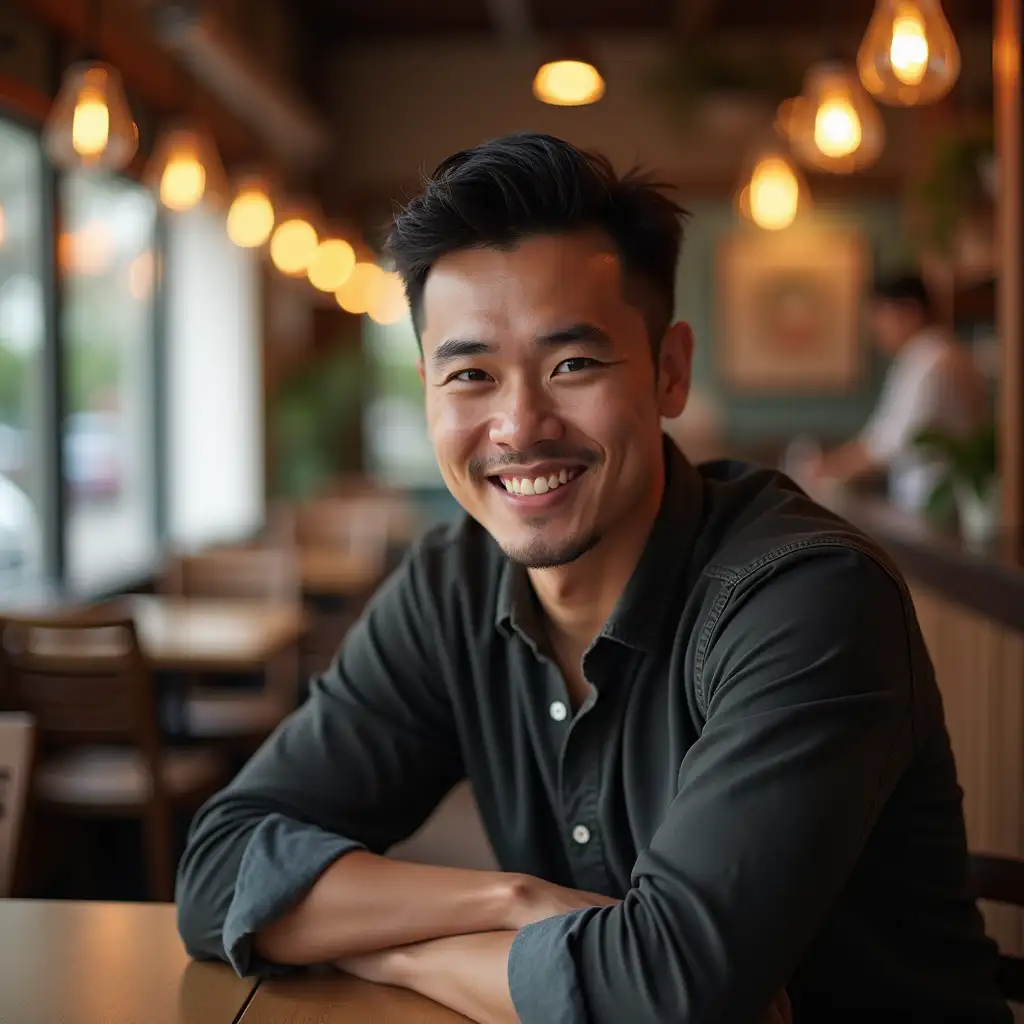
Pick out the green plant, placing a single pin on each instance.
(687, 76)
(954, 185)
(969, 463)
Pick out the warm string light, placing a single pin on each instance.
(293, 246)
(251, 215)
(331, 265)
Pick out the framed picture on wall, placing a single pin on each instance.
(788, 308)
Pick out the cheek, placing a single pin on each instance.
(452, 430)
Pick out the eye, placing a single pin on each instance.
(470, 376)
(575, 364)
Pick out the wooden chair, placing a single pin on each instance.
(244, 573)
(213, 709)
(91, 691)
(17, 743)
(1001, 880)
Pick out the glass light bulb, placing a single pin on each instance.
(360, 292)
(90, 124)
(293, 246)
(250, 217)
(837, 127)
(183, 182)
(908, 51)
(390, 304)
(568, 83)
(331, 264)
(774, 194)
(909, 55)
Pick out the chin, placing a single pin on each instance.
(548, 553)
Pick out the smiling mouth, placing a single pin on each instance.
(528, 485)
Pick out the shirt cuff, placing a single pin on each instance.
(542, 970)
(282, 860)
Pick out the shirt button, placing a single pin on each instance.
(558, 711)
(581, 834)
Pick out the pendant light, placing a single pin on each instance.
(909, 55)
(569, 78)
(186, 169)
(773, 192)
(90, 124)
(833, 125)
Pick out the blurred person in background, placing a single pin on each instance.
(931, 383)
(696, 712)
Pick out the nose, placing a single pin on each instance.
(524, 417)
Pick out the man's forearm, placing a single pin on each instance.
(363, 902)
(468, 973)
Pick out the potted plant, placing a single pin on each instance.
(968, 483)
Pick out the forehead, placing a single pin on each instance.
(526, 289)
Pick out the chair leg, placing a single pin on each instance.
(159, 843)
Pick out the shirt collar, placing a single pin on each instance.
(639, 613)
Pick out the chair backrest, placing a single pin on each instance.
(251, 573)
(84, 679)
(1001, 880)
(17, 744)
(365, 524)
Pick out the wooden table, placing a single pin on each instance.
(72, 962)
(107, 963)
(189, 634)
(341, 999)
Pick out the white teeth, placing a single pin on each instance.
(538, 485)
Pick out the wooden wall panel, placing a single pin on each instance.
(980, 670)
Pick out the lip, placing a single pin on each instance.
(538, 502)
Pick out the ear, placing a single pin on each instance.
(675, 370)
(419, 370)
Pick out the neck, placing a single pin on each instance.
(579, 598)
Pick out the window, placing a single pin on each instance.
(107, 261)
(214, 384)
(22, 338)
(398, 449)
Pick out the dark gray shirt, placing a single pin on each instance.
(762, 772)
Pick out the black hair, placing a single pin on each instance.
(908, 289)
(527, 184)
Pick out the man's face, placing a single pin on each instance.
(893, 324)
(543, 402)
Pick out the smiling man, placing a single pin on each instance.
(695, 708)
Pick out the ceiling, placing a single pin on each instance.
(347, 21)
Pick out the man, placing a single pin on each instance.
(695, 708)
(931, 383)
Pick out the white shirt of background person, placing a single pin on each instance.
(931, 383)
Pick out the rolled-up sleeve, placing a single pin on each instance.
(807, 684)
(361, 764)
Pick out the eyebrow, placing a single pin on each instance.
(459, 348)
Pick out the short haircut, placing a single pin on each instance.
(526, 184)
(908, 289)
